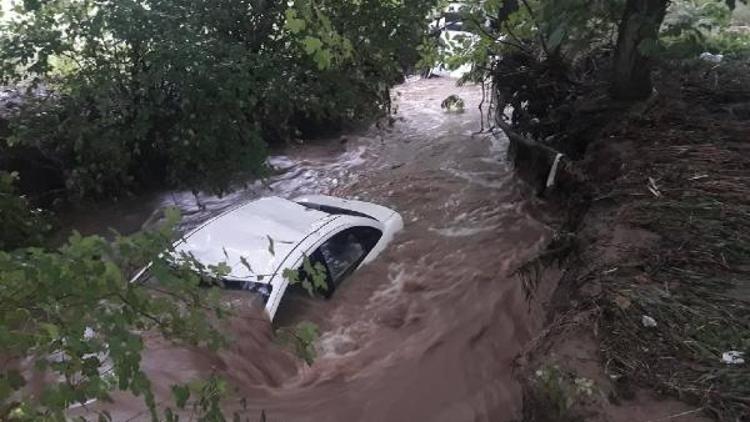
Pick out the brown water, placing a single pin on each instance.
(429, 331)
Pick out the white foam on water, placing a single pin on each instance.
(336, 344)
(396, 275)
(462, 231)
(484, 179)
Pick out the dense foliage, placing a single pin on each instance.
(536, 53)
(72, 322)
(695, 26)
(568, 31)
(187, 93)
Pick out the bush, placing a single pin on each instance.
(20, 225)
(695, 26)
(73, 314)
(741, 14)
(179, 93)
(729, 42)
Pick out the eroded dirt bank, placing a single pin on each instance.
(656, 275)
(428, 332)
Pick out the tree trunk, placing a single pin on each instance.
(632, 69)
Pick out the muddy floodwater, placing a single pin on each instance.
(430, 330)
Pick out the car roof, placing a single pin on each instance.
(263, 232)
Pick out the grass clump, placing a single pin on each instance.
(555, 393)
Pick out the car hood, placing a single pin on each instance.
(252, 239)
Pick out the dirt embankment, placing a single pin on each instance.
(652, 314)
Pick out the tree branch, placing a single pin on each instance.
(538, 28)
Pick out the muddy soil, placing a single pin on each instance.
(654, 291)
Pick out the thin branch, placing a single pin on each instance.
(538, 27)
(481, 112)
(497, 39)
(676, 415)
(519, 43)
(156, 320)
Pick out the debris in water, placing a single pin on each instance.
(653, 188)
(733, 357)
(711, 58)
(453, 104)
(553, 171)
(622, 302)
(648, 321)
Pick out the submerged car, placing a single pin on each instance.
(261, 239)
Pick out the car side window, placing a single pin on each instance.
(346, 249)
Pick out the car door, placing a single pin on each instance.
(342, 253)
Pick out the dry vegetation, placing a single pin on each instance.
(666, 235)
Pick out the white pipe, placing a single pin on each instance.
(553, 171)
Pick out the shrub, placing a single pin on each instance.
(180, 93)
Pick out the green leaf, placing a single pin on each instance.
(308, 286)
(246, 264)
(270, 246)
(32, 5)
(323, 59)
(293, 23)
(312, 44)
(556, 38)
(301, 339)
(172, 215)
(291, 275)
(170, 416)
(307, 331)
(52, 330)
(14, 379)
(181, 395)
(222, 269)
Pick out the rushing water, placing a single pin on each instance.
(429, 331)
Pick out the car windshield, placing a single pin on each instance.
(334, 210)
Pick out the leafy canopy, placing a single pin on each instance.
(136, 93)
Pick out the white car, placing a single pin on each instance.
(262, 238)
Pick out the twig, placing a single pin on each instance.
(519, 43)
(498, 39)
(481, 112)
(676, 415)
(539, 28)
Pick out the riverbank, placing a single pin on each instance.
(655, 291)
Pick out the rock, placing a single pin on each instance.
(648, 321)
(711, 58)
(733, 357)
